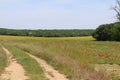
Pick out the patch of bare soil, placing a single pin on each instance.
(108, 69)
(49, 71)
(13, 71)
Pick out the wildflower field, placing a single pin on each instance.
(79, 58)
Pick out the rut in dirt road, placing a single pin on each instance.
(49, 71)
(13, 71)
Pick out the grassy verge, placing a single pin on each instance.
(3, 60)
(33, 70)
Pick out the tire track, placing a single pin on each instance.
(49, 71)
(13, 71)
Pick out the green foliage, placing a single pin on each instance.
(46, 33)
(109, 32)
(116, 32)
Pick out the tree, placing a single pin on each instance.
(108, 32)
(116, 32)
(116, 8)
(103, 32)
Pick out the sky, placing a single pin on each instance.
(55, 14)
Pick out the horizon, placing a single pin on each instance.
(44, 29)
(61, 14)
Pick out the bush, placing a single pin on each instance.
(110, 32)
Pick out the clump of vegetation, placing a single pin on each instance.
(107, 32)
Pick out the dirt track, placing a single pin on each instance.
(49, 71)
(13, 71)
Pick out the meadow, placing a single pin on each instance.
(76, 57)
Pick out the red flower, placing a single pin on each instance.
(101, 55)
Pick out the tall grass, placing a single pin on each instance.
(3, 60)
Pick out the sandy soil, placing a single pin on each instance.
(108, 69)
(13, 71)
(49, 71)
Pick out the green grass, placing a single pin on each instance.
(3, 60)
(33, 70)
(74, 57)
(71, 57)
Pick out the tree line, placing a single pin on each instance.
(46, 33)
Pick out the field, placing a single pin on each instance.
(79, 58)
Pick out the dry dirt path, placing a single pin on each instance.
(13, 71)
(49, 71)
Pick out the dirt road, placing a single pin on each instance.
(49, 71)
(13, 71)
